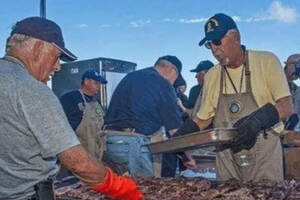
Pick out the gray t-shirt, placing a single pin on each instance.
(33, 131)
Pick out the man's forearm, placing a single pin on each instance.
(97, 177)
(203, 123)
(86, 168)
(284, 107)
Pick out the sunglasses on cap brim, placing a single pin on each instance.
(214, 42)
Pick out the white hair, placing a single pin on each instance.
(162, 63)
(18, 41)
(24, 42)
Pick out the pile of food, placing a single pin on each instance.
(195, 189)
(77, 191)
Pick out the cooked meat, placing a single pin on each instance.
(195, 189)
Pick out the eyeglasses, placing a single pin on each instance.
(214, 42)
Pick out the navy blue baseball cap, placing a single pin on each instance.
(172, 59)
(93, 74)
(203, 65)
(217, 26)
(46, 30)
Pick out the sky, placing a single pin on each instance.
(140, 31)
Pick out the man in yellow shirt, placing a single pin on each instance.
(246, 90)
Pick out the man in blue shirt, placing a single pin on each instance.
(143, 103)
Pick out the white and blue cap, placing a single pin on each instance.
(216, 27)
(93, 74)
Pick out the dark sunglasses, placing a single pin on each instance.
(214, 42)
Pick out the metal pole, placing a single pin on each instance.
(103, 90)
(43, 8)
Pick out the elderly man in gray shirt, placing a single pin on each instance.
(34, 131)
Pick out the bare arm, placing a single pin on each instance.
(203, 123)
(284, 107)
(79, 162)
(189, 111)
(180, 104)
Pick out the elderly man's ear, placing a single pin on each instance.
(37, 49)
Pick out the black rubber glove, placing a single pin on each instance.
(291, 122)
(189, 126)
(249, 126)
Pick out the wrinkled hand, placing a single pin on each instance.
(292, 137)
(289, 136)
(191, 164)
(118, 187)
(187, 160)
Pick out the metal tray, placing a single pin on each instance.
(194, 140)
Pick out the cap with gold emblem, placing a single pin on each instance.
(216, 27)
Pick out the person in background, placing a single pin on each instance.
(143, 103)
(85, 113)
(170, 161)
(292, 73)
(86, 116)
(194, 100)
(180, 87)
(34, 131)
(191, 107)
(247, 91)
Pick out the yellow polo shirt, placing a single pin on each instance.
(268, 82)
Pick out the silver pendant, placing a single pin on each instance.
(235, 107)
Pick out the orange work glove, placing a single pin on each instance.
(118, 187)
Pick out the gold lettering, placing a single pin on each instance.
(209, 28)
(211, 24)
(215, 21)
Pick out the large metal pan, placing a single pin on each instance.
(201, 139)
